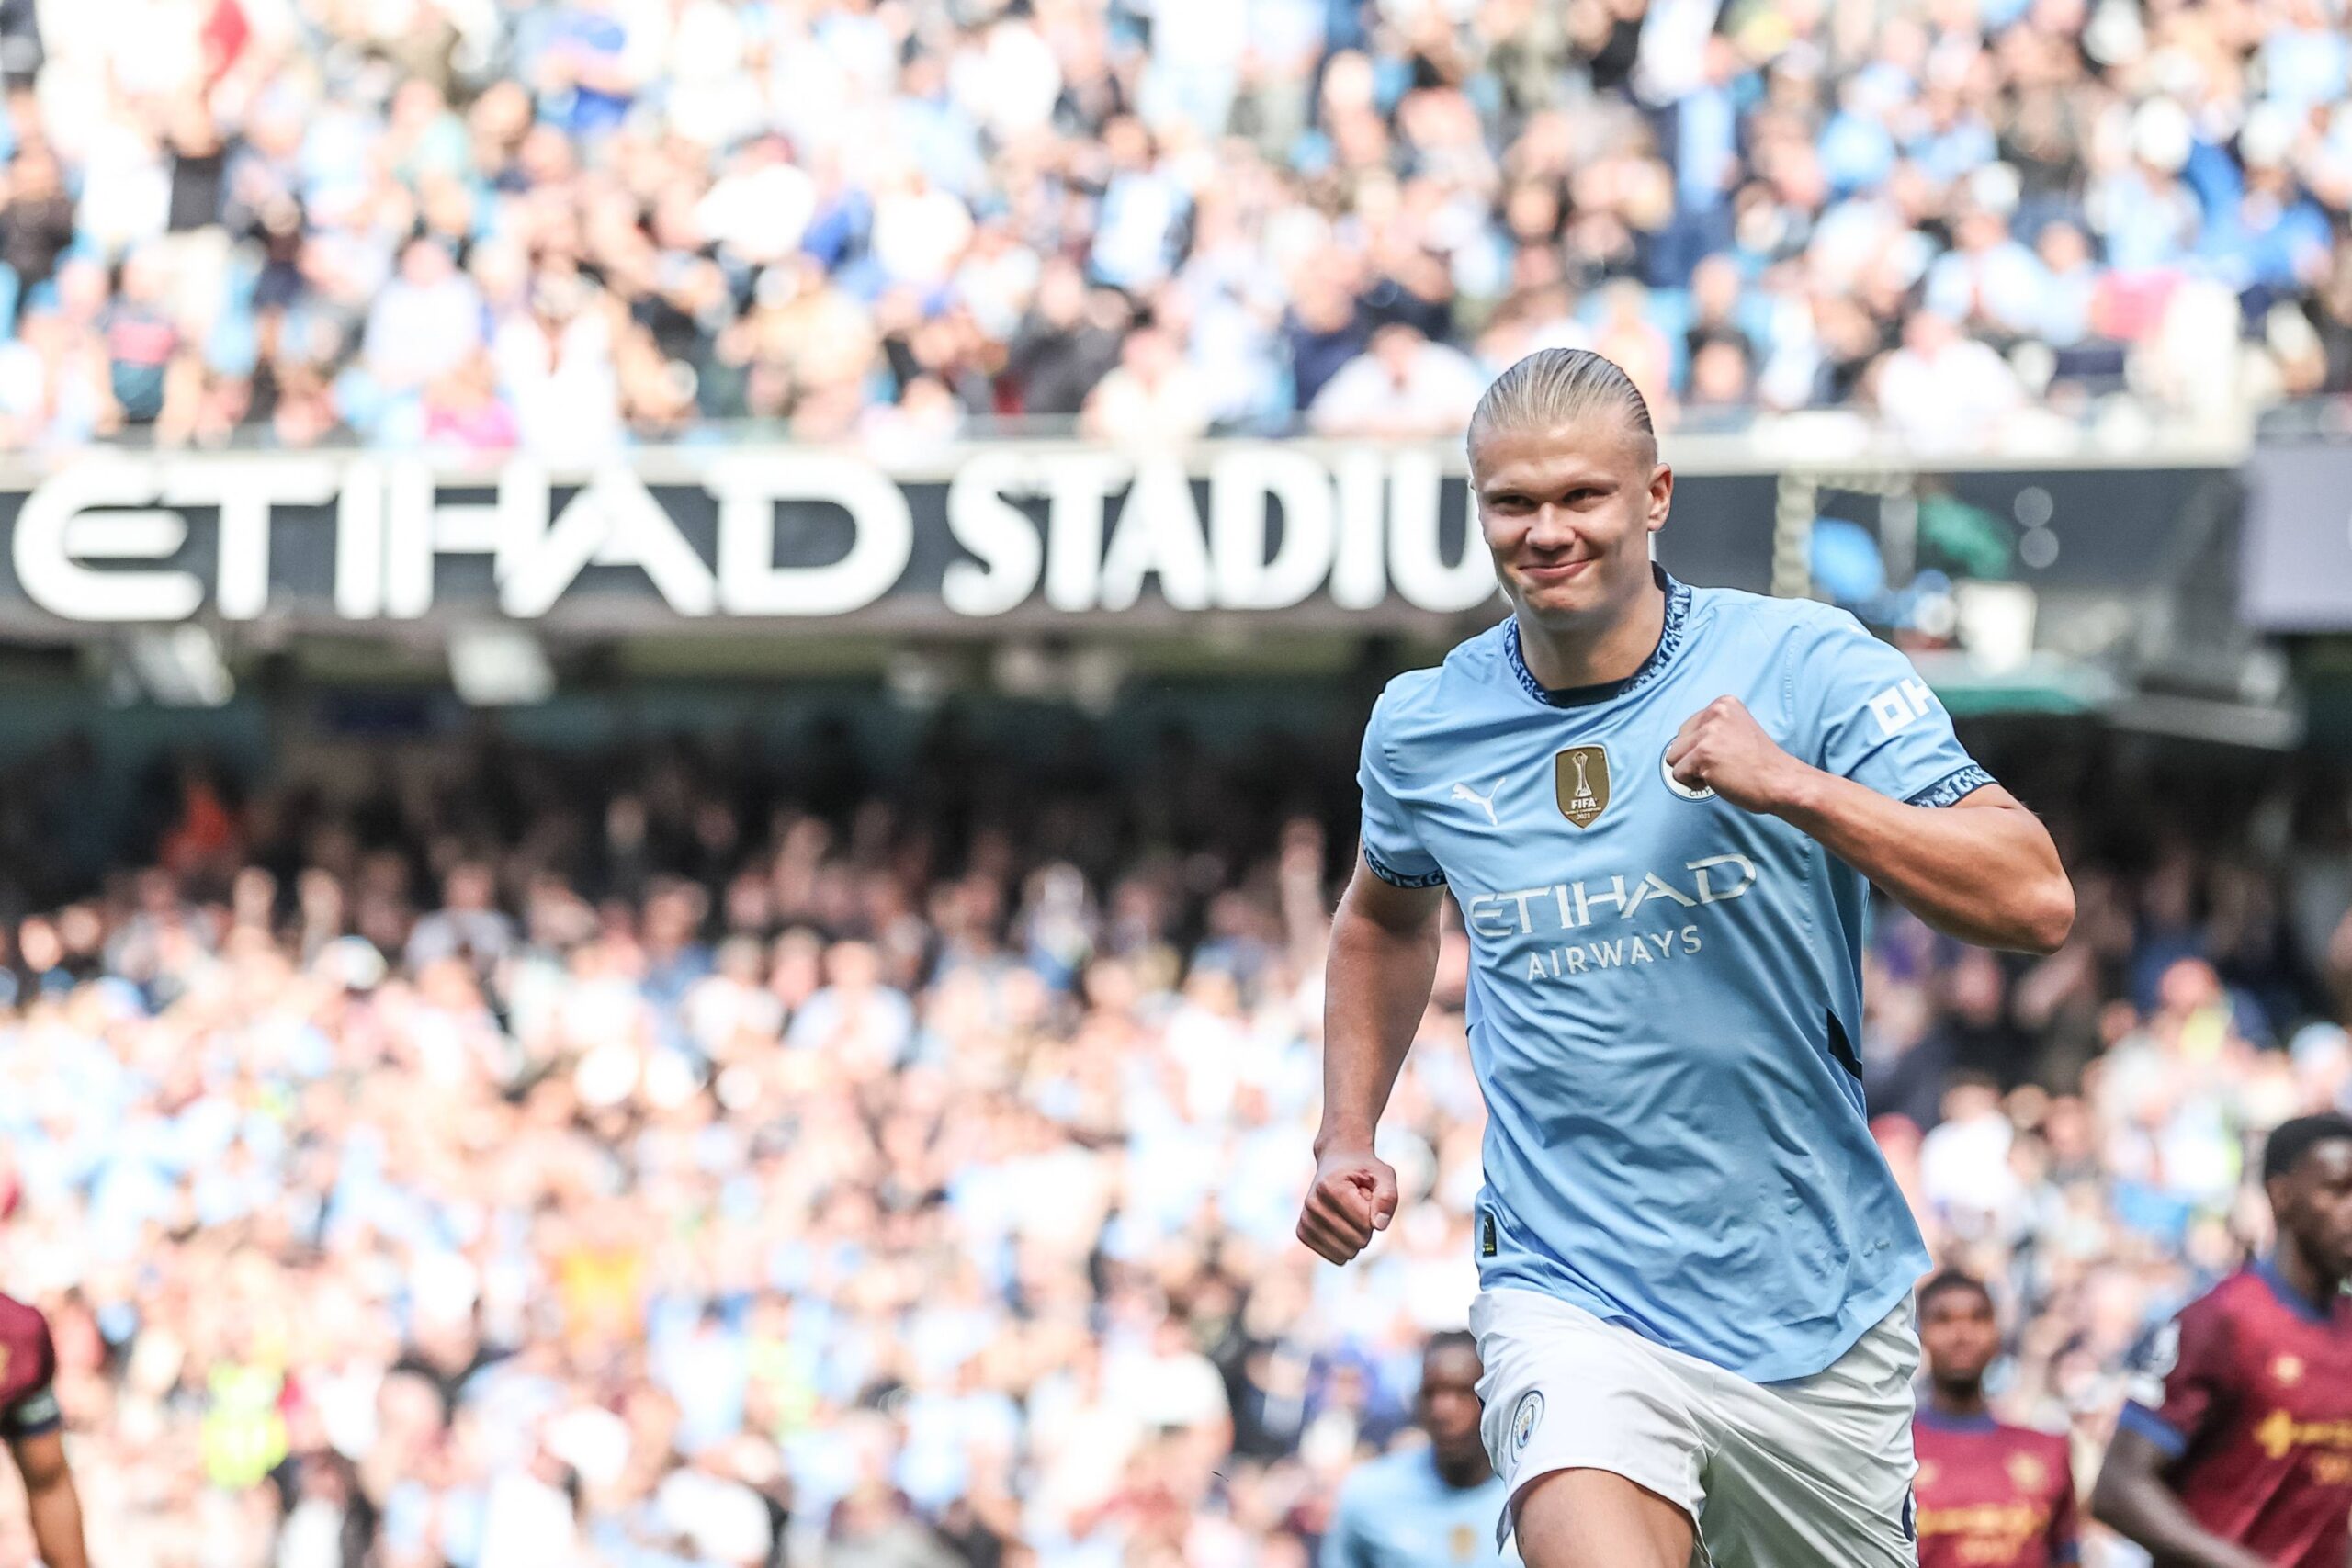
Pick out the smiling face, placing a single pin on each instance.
(1567, 511)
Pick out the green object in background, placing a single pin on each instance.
(244, 1433)
(1964, 539)
(2043, 684)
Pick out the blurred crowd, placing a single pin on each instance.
(705, 1156)
(486, 225)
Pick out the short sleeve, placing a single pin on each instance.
(1391, 847)
(1877, 723)
(2179, 1376)
(34, 1411)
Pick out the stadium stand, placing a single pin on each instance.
(698, 1155)
(734, 1154)
(555, 227)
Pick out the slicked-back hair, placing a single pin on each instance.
(1552, 387)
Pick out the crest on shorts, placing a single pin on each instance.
(2287, 1371)
(2028, 1474)
(1525, 1417)
(1580, 776)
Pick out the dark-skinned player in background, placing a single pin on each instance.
(1432, 1507)
(2235, 1450)
(1990, 1495)
(33, 1427)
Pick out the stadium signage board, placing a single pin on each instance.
(774, 535)
(2296, 571)
(987, 537)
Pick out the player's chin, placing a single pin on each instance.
(1555, 594)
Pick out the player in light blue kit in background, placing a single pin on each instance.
(1656, 807)
(1432, 1505)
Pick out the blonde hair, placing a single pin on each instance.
(1559, 386)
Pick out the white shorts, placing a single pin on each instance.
(1809, 1473)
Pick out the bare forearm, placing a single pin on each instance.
(56, 1511)
(2132, 1499)
(1986, 875)
(1983, 869)
(1377, 985)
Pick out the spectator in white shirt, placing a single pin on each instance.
(425, 324)
(1943, 392)
(1153, 397)
(1401, 386)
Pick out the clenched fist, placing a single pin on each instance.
(1723, 748)
(1354, 1194)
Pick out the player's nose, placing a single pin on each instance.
(1551, 530)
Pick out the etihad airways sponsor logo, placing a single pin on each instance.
(1578, 905)
(1572, 906)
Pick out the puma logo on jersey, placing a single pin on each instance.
(1484, 802)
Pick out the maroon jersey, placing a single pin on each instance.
(2249, 1392)
(1992, 1496)
(28, 1368)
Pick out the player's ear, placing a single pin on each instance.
(2279, 1192)
(1661, 496)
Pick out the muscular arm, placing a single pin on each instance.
(2131, 1498)
(50, 1497)
(1984, 871)
(1376, 983)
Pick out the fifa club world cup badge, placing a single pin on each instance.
(1581, 776)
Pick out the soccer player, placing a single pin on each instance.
(31, 1423)
(2235, 1450)
(1989, 1496)
(1659, 808)
(1431, 1507)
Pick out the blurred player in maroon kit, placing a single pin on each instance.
(31, 1426)
(1988, 1496)
(2236, 1451)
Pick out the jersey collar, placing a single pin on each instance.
(1670, 640)
(2293, 1300)
(1930, 1416)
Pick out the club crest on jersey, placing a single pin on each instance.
(2028, 1474)
(2287, 1371)
(1524, 1417)
(1580, 775)
(1665, 771)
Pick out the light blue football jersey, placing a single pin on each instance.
(1398, 1512)
(1665, 990)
